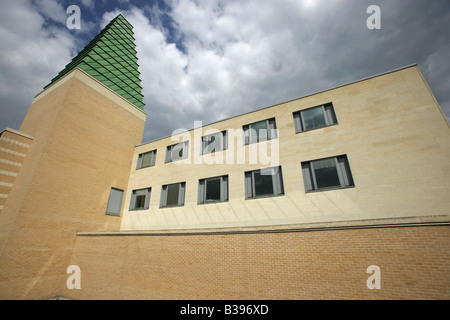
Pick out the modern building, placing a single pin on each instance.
(295, 201)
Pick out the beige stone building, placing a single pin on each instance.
(294, 201)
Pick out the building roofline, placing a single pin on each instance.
(302, 97)
(71, 74)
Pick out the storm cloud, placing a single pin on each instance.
(210, 60)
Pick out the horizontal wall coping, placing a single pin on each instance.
(17, 133)
(438, 220)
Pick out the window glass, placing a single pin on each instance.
(213, 189)
(258, 132)
(326, 173)
(313, 118)
(172, 194)
(115, 202)
(263, 183)
(147, 159)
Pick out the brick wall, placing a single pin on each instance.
(84, 137)
(328, 264)
(13, 150)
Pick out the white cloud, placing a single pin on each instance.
(53, 10)
(231, 56)
(30, 57)
(90, 4)
(233, 61)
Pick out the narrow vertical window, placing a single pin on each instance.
(263, 183)
(213, 190)
(329, 173)
(115, 202)
(314, 118)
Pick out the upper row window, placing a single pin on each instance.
(304, 120)
(146, 159)
(214, 142)
(177, 151)
(314, 118)
(260, 131)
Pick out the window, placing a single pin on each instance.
(114, 202)
(146, 159)
(324, 174)
(263, 183)
(260, 131)
(177, 151)
(140, 199)
(313, 118)
(172, 195)
(214, 142)
(213, 190)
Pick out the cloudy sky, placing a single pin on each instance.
(207, 60)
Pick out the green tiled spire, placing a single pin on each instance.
(111, 59)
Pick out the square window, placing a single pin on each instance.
(314, 118)
(172, 195)
(177, 151)
(146, 160)
(263, 183)
(214, 142)
(140, 199)
(260, 131)
(329, 173)
(213, 190)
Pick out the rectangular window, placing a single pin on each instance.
(214, 142)
(213, 190)
(260, 131)
(314, 118)
(329, 173)
(172, 195)
(177, 151)
(114, 202)
(146, 160)
(263, 183)
(140, 199)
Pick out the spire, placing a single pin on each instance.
(111, 58)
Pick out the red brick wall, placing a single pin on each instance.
(331, 264)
